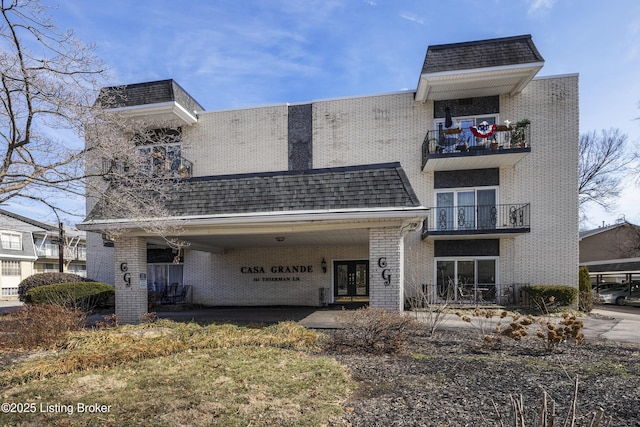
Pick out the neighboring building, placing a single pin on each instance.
(611, 253)
(29, 246)
(464, 188)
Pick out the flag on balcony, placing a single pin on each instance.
(483, 130)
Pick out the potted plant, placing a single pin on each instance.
(519, 134)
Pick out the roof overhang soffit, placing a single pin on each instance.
(163, 111)
(476, 82)
(256, 221)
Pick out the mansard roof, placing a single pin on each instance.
(156, 92)
(478, 68)
(499, 52)
(342, 188)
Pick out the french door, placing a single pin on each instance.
(469, 280)
(351, 281)
(467, 209)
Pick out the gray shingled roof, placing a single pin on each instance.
(149, 93)
(481, 54)
(28, 250)
(353, 187)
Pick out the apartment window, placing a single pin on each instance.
(11, 268)
(466, 209)
(11, 241)
(9, 292)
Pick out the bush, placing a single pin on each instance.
(82, 295)
(43, 279)
(548, 298)
(39, 326)
(374, 330)
(585, 296)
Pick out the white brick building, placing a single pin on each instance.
(367, 198)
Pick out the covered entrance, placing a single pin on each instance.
(351, 281)
(262, 239)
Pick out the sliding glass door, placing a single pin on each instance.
(469, 280)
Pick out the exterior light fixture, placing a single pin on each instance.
(323, 264)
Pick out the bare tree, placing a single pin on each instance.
(604, 162)
(48, 81)
(49, 84)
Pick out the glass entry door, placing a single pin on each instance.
(351, 281)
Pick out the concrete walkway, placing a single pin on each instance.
(603, 325)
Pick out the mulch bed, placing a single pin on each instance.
(451, 380)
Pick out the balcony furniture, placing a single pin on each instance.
(442, 149)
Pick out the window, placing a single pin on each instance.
(11, 268)
(471, 279)
(11, 241)
(9, 292)
(166, 157)
(466, 209)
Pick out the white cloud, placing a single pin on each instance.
(412, 17)
(540, 5)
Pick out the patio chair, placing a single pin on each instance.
(466, 294)
(169, 296)
(181, 297)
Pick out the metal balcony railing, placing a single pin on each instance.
(503, 294)
(178, 167)
(77, 253)
(463, 142)
(477, 219)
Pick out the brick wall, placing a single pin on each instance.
(220, 280)
(386, 275)
(238, 141)
(131, 293)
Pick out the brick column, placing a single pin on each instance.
(131, 288)
(386, 268)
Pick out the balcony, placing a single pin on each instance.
(483, 220)
(177, 167)
(459, 148)
(51, 251)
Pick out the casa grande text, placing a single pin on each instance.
(277, 269)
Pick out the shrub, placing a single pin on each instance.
(552, 332)
(548, 298)
(374, 330)
(566, 330)
(585, 295)
(39, 326)
(82, 295)
(43, 279)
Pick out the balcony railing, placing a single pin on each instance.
(477, 219)
(179, 167)
(503, 294)
(461, 142)
(78, 253)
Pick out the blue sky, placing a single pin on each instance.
(232, 54)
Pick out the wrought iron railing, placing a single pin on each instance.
(474, 219)
(178, 167)
(504, 294)
(460, 141)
